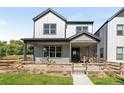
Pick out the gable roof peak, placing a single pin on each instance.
(47, 11)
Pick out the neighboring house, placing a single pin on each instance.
(61, 40)
(112, 38)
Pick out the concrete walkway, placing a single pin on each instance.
(79, 78)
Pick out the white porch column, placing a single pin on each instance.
(98, 53)
(70, 52)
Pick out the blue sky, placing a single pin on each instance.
(16, 23)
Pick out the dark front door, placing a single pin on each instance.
(75, 54)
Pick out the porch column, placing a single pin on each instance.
(25, 51)
(70, 52)
(98, 53)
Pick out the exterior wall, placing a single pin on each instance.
(114, 40)
(38, 54)
(49, 18)
(71, 29)
(102, 33)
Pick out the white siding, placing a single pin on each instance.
(71, 29)
(114, 40)
(50, 18)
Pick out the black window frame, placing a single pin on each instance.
(82, 29)
(50, 29)
(53, 53)
(122, 54)
(120, 30)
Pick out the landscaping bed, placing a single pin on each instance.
(107, 80)
(34, 79)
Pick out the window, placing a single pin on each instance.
(85, 28)
(58, 51)
(120, 53)
(120, 30)
(49, 28)
(52, 51)
(101, 52)
(80, 29)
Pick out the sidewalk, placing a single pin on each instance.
(79, 78)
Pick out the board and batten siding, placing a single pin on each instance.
(71, 29)
(38, 54)
(49, 18)
(113, 39)
(103, 40)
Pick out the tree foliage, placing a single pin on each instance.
(14, 47)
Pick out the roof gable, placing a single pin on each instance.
(112, 17)
(46, 12)
(87, 34)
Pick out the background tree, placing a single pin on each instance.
(3, 48)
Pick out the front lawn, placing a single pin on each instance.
(34, 79)
(107, 80)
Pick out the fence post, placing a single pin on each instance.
(120, 69)
(72, 67)
(86, 68)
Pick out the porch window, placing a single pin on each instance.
(120, 30)
(49, 28)
(120, 53)
(52, 51)
(80, 29)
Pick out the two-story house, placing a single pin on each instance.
(112, 38)
(61, 40)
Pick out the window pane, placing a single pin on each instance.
(58, 51)
(53, 26)
(119, 53)
(119, 27)
(46, 28)
(52, 51)
(46, 31)
(85, 28)
(78, 29)
(119, 32)
(53, 31)
(101, 52)
(120, 56)
(119, 50)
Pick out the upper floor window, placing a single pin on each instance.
(49, 28)
(120, 30)
(80, 29)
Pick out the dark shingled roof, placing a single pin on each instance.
(60, 39)
(47, 11)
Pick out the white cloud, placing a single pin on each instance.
(3, 22)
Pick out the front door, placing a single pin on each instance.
(75, 54)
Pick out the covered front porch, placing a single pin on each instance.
(78, 48)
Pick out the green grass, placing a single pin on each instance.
(107, 80)
(34, 79)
